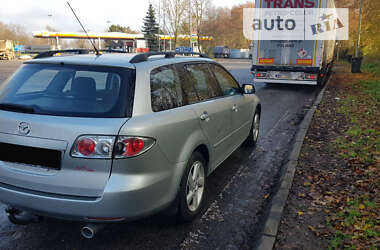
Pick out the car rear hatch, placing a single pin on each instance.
(41, 124)
(41, 160)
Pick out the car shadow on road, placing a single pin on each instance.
(290, 87)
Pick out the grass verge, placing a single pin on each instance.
(356, 223)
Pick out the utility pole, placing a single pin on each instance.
(357, 60)
(338, 51)
(190, 26)
(164, 22)
(159, 25)
(360, 22)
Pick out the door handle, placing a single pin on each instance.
(234, 108)
(204, 116)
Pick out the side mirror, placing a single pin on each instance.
(248, 89)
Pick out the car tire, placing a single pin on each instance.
(192, 188)
(253, 136)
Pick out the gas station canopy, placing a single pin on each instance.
(92, 35)
(110, 36)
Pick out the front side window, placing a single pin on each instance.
(228, 85)
(166, 91)
(203, 81)
(69, 90)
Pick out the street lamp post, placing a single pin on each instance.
(106, 30)
(107, 25)
(50, 41)
(57, 46)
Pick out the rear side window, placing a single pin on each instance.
(228, 85)
(203, 81)
(166, 90)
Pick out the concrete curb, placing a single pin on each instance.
(278, 202)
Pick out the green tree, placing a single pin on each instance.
(370, 36)
(119, 28)
(150, 29)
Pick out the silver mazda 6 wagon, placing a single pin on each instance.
(115, 137)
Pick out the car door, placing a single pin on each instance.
(212, 109)
(240, 108)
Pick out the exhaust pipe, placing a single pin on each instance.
(90, 230)
(20, 217)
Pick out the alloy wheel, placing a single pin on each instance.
(195, 186)
(256, 127)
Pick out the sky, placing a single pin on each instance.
(96, 15)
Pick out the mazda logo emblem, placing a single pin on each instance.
(24, 128)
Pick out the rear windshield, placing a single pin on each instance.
(69, 90)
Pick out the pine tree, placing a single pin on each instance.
(150, 29)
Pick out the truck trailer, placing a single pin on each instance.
(292, 61)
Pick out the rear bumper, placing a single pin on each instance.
(292, 68)
(285, 81)
(126, 197)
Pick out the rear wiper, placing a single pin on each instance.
(17, 108)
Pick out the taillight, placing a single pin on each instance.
(261, 74)
(128, 146)
(310, 76)
(86, 146)
(106, 147)
(89, 146)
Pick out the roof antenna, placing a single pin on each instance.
(93, 45)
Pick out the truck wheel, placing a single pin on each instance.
(329, 69)
(254, 132)
(192, 188)
(319, 80)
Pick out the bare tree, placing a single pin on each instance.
(14, 32)
(199, 12)
(174, 15)
(50, 28)
(80, 44)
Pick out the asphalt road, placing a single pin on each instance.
(237, 197)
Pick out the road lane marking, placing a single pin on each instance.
(283, 117)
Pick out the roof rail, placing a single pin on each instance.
(136, 59)
(145, 56)
(113, 51)
(51, 53)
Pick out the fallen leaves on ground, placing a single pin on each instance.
(337, 180)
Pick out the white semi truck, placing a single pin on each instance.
(292, 61)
